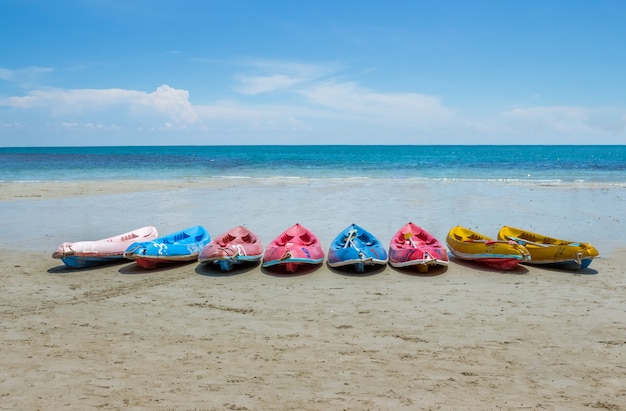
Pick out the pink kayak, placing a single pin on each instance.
(294, 247)
(83, 254)
(414, 246)
(238, 245)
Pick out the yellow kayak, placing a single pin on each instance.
(470, 245)
(548, 250)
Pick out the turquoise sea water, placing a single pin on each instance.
(551, 164)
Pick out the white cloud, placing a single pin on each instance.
(568, 120)
(165, 100)
(59, 101)
(173, 102)
(75, 126)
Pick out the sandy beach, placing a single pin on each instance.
(188, 337)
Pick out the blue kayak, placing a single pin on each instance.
(183, 245)
(356, 247)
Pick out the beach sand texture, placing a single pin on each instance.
(189, 337)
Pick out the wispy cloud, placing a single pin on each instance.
(25, 77)
(320, 89)
(265, 84)
(266, 76)
(370, 105)
(568, 120)
(5, 74)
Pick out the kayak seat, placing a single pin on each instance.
(284, 239)
(176, 238)
(365, 238)
(225, 240)
(128, 237)
(306, 238)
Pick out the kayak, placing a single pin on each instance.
(184, 245)
(472, 246)
(357, 247)
(82, 254)
(411, 245)
(294, 247)
(553, 251)
(237, 246)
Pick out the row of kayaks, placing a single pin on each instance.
(354, 248)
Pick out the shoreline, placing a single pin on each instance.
(16, 190)
(76, 211)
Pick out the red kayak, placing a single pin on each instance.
(238, 245)
(296, 246)
(414, 246)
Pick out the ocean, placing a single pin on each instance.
(521, 164)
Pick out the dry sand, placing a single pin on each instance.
(188, 337)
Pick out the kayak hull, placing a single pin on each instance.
(469, 245)
(550, 251)
(235, 247)
(181, 246)
(294, 247)
(411, 245)
(358, 248)
(83, 254)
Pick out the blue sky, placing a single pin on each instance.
(152, 72)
